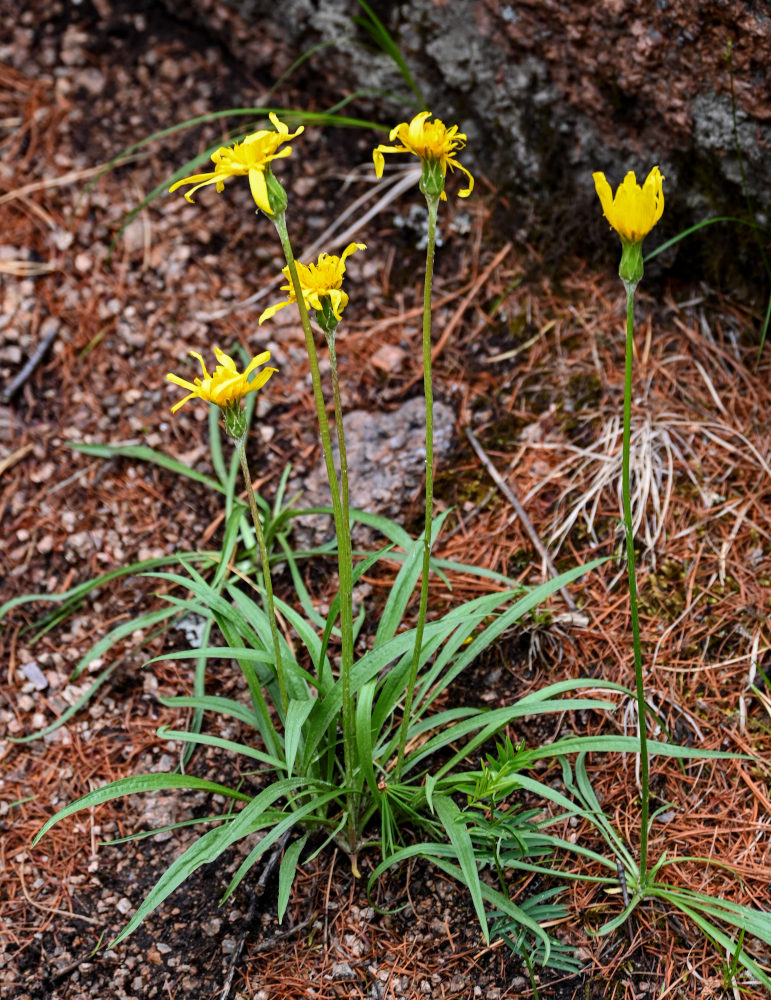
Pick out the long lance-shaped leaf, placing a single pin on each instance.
(97, 651)
(699, 916)
(437, 853)
(142, 453)
(134, 784)
(404, 585)
(74, 596)
(458, 835)
(285, 824)
(232, 746)
(513, 614)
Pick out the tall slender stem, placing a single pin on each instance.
(270, 608)
(432, 202)
(631, 573)
(345, 553)
(342, 530)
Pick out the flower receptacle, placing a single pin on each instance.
(432, 178)
(235, 420)
(630, 270)
(277, 197)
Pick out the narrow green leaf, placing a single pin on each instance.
(458, 835)
(214, 703)
(297, 713)
(286, 873)
(144, 454)
(208, 848)
(404, 584)
(132, 786)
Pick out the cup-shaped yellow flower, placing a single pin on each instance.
(321, 284)
(435, 144)
(226, 386)
(633, 212)
(250, 158)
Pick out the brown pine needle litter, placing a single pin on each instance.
(535, 371)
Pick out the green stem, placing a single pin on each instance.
(342, 530)
(432, 202)
(631, 573)
(346, 593)
(270, 608)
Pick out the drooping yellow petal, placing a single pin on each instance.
(318, 281)
(432, 141)
(259, 190)
(250, 157)
(226, 386)
(272, 310)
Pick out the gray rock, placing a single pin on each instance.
(386, 458)
(548, 92)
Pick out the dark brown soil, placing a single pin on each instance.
(79, 84)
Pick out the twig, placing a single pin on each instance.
(259, 889)
(37, 356)
(268, 943)
(53, 909)
(519, 511)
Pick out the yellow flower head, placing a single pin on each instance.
(251, 158)
(318, 281)
(432, 142)
(635, 210)
(226, 386)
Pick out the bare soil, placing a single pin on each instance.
(531, 360)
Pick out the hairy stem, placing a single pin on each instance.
(270, 608)
(342, 530)
(632, 576)
(432, 202)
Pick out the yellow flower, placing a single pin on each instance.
(635, 210)
(318, 281)
(226, 386)
(432, 142)
(251, 158)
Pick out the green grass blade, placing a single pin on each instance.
(404, 585)
(364, 727)
(700, 225)
(206, 849)
(215, 703)
(73, 597)
(372, 24)
(97, 651)
(296, 714)
(278, 829)
(205, 739)
(697, 914)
